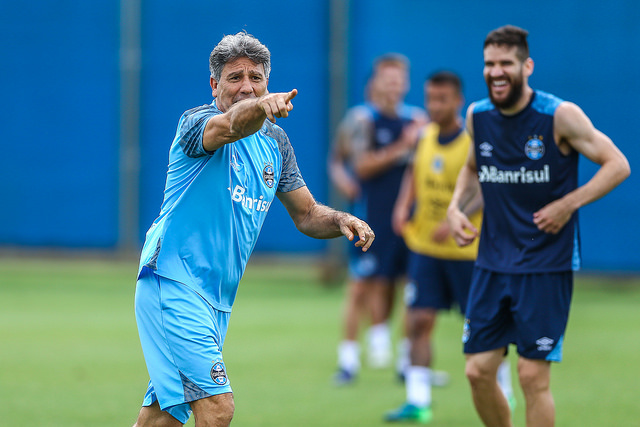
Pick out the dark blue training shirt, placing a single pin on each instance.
(379, 192)
(521, 170)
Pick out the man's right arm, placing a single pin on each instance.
(245, 118)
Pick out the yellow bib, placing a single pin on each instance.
(436, 167)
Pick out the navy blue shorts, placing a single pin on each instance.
(386, 258)
(528, 310)
(437, 283)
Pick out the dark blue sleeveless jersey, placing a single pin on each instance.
(521, 169)
(379, 193)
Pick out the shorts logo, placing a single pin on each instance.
(410, 293)
(268, 176)
(218, 375)
(365, 265)
(466, 330)
(534, 148)
(544, 344)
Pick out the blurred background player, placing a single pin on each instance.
(439, 271)
(524, 160)
(372, 149)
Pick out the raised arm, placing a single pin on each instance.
(466, 195)
(245, 118)
(321, 222)
(574, 131)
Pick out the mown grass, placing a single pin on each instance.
(69, 351)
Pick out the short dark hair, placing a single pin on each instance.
(510, 35)
(446, 77)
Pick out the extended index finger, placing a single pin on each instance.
(291, 95)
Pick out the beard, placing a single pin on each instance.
(512, 98)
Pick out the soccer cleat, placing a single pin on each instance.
(410, 413)
(343, 377)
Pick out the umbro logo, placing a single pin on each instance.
(544, 344)
(486, 149)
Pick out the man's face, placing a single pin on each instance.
(504, 74)
(391, 83)
(241, 78)
(443, 101)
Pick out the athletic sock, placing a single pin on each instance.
(349, 356)
(380, 337)
(504, 378)
(418, 386)
(380, 353)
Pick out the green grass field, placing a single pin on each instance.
(69, 352)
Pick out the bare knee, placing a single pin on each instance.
(481, 368)
(214, 411)
(534, 375)
(477, 374)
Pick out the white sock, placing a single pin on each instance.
(380, 337)
(349, 356)
(418, 385)
(504, 378)
(403, 360)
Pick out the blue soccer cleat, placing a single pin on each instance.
(343, 377)
(409, 413)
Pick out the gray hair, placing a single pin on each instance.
(240, 45)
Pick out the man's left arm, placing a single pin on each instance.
(322, 222)
(574, 131)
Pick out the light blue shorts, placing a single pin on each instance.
(182, 337)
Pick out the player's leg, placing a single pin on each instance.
(355, 310)
(213, 411)
(418, 380)
(423, 297)
(535, 379)
(459, 275)
(380, 352)
(417, 407)
(488, 329)
(182, 337)
(490, 403)
(542, 302)
(152, 415)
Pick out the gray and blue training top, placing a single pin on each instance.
(215, 204)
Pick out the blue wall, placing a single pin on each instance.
(60, 85)
(59, 121)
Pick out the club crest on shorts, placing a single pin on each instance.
(218, 374)
(466, 330)
(534, 148)
(268, 175)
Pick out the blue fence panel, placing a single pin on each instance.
(59, 123)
